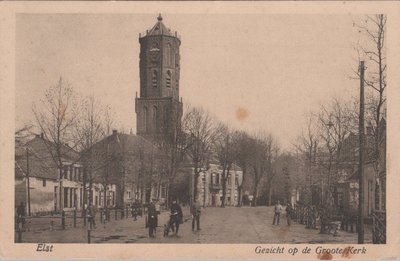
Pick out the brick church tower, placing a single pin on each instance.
(158, 108)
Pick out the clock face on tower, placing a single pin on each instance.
(154, 55)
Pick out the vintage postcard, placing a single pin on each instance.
(200, 130)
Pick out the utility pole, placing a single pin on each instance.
(27, 177)
(361, 160)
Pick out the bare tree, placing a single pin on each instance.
(243, 160)
(226, 147)
(199, 127)
(263, 154)
(90, 129)
(306, 146)
(335, 125)
(173, 143)
(109, 120)
(55, 116)
(374, 50)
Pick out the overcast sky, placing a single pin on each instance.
(275, 67)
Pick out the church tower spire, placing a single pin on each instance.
(158, 108)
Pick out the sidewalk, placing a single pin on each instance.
(122, 231)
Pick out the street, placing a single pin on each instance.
(218, 225)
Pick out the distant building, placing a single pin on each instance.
(209, 187)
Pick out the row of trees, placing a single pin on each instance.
(211, 140)
(323, 144)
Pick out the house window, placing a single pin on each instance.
(65, 172)
(229, 179)
(154, 79)
(44, 182)
(129, 194)
(168, 79)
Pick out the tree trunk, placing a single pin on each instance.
(270, 193)
(195, 183)
(255, 191)
(223, 187)
(240, 188)
(239, 204)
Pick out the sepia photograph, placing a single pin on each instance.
(167, 128)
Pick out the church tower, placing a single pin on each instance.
(158, 108)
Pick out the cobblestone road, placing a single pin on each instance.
(218, 225)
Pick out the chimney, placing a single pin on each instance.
(115, 132)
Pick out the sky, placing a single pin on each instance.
(255, 72)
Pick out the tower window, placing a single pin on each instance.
(168, 55)
(154, 79)
(168, 79)
(145, 119)
(165, 118)
(155, 118)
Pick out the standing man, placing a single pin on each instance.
(289, 211)
(152, 218)
(92, 215)
(196, 210)
(277, 212)
(135, 210)
(176, 216)
(21, 214)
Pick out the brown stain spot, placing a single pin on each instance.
(241, 113)
(325, 256)
(346, 252)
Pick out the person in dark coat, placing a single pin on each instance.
(21, 213)
(152, 219)
(289, 211)
(135, 210)
(176, 216)
(92, 215)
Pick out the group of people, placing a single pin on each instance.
(175, 219)
(277, 213)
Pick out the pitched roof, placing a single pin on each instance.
(108, 152)
(159, 28)
(41, 162)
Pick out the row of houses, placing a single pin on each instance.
(102, 182)
(119, 170)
